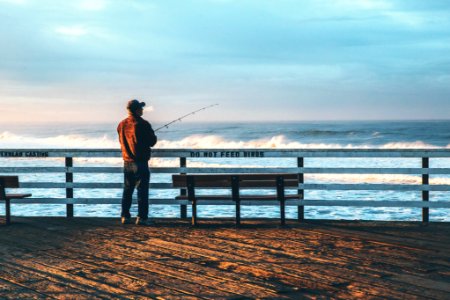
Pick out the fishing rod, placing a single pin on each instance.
(187, 115)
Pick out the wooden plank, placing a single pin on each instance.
(376, 187)
(408, 263)
(247, 185)
(343, 170)
(87, 185)
(245, 180)
(181, 178)
(241, 197)
(47, 287)
(313, 152)
(101, 258)
(244, 184)
(32, 170)
(231, 170)
(121, 252)
(11, 290)
(375, 203)
(164, 246)
(286, 269)
(204, 201)
(168, 201)
(16, 196)
(332, 262)
(79, 276)
(277, 260)
(342, 203)
(409, 236)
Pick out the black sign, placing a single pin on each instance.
(222, 154)
(23, 154)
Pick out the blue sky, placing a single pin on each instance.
(260, 60)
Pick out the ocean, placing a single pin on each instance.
(275, 135)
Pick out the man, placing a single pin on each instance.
(136, 137)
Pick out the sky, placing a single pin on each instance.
(260, 60)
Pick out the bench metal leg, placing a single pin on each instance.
(235, 195)
(301, 212)
(191, 196)
(8, 211)
(283, 212)
(238, 213)
(183, 211)
(194, 213)
(281, 199)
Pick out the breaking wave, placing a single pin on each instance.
(11, 140)
(196, 141)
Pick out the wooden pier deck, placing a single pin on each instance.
(99, 258)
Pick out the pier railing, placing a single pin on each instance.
(184, 156)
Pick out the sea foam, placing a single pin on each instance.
(195, 141)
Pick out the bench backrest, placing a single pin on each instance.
(9, 181)
(245, 180)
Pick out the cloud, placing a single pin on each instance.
(255, 52)
(16, 2)
(364, 4)
(72, 31)
(93, 5)
(405, 18)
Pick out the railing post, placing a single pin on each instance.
(183, 208)
(425, 194)
(301, 179)
(236, 198)
(69, 191)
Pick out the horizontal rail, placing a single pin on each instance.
(171, 201)
(161, 185)
(256, 170)
(86, 185)
(173, 170)
(376, 187)
(227, 153)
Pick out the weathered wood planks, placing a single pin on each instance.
(43, 258)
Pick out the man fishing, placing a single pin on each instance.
(136, 136)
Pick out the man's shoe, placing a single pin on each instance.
(144, 222)
(125, 220)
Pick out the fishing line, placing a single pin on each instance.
(187, 115)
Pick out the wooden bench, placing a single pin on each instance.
(235, 182)
(9, 182)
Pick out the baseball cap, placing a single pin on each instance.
(134, 104)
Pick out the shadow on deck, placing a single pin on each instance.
(100, 258)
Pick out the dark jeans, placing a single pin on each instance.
(136, 175)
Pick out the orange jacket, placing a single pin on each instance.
(136, 136)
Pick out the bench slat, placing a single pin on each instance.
(246, 180)
(242, 197)
(17, 196)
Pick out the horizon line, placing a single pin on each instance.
(231, 121)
